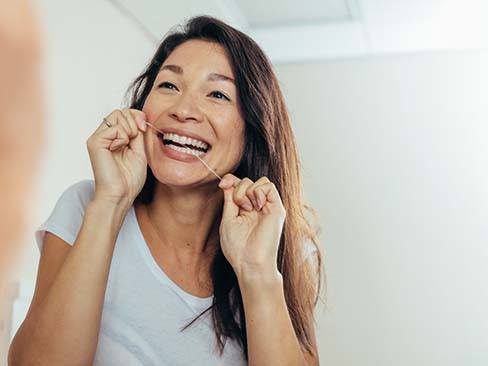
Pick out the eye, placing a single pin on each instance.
(167, 85)
(219, 95)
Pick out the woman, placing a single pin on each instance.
(159, 243)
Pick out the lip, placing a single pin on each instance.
(176, 155)
(187, 134)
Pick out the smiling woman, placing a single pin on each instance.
(133, 262)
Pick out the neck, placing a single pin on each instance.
(186, 220)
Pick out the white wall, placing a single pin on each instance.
(395, 157)
(395, 162)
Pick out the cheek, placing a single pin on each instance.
(238, 134)
(148, 108)
(235, 137)
(235, 146)
(153, 107)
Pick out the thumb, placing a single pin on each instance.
(231, 210)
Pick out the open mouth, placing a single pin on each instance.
(185, 148)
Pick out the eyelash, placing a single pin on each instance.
(214, 92)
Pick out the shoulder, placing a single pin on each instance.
(75, 198)
(67, 216)
(80, 192)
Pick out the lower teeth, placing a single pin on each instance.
(185, 150)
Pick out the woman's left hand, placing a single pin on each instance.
(252, 222)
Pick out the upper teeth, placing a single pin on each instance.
(184, 140)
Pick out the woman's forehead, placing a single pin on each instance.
(200, 53)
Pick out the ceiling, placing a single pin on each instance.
(323, 29)
(279, 12)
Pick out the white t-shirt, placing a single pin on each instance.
(144, 309)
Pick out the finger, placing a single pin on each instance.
(104, 136)
(140, 118)
(231, 210)
(240, 196)
(137, 144)
(262, 180)
(272, 194)
(121, 138)
(229, 180)
(122, 121)
(268, 193)
(261, 198)
(251, 196)
(129, 119)
(112, 120)
(257, 198)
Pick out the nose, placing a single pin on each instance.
(186, 108)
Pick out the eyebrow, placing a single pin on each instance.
(211, 77)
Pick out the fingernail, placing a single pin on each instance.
(224, 183)
(247, 206)
(260, 202)
(140, 124)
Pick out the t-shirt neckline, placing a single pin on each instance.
(158, 271)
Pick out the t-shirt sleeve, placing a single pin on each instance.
(309, 251)
(67, 216)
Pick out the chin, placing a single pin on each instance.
(179, 176)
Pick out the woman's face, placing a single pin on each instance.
(194, 95)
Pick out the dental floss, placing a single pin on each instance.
(218, 176)
(191, 151)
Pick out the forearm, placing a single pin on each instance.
(63, 328)
(270, 334)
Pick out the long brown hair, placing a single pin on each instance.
(269, 151)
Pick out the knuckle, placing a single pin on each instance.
(122, 136)
(116, 114)
(237, 183)
(134, 113)
(130, 117)
(142, 114)
(243, 187)
(239, 200)
(125, 119)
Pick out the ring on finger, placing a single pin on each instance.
(107, 122)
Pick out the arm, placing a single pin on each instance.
(270, 334)
(250, 240)
(62, 326)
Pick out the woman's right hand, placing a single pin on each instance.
(118, 157)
